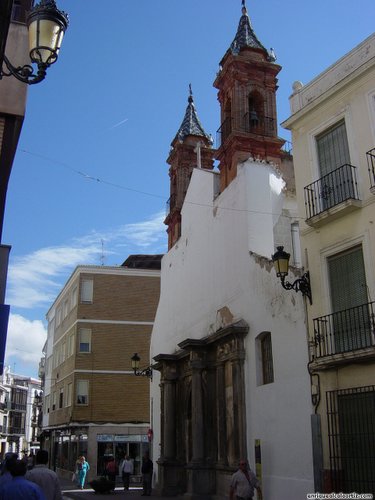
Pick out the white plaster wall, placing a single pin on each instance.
(212, 266)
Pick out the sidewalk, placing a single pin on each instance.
(70, 491)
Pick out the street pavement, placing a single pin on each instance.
(70, 491)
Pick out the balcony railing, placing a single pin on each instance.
(17, 407)
(260, 125)
(331, 190)
(171, 203)
(345, 331)
(15, 430)
(223, 132)
(371, 167)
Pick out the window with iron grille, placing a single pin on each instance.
(348, 292)
(351, 436)
(265, 360)
(334, 160)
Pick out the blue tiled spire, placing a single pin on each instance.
(190, 124)
(245, 36)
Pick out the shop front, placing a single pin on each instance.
(97, 444)
(118, 446)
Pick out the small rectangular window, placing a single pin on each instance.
(74, 298)
(84, 340)
(66, 308)
(70, 348)
(63, 352)
(267, 361)
(61, 398)
(58, 316)
(68, 401)
(87, 290)
(82, 392)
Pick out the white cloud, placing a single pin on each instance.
(25, 339)
(35, 280)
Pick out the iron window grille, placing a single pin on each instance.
(351, 439)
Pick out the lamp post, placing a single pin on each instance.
(145, 372)
(281, 263)
(46, 25)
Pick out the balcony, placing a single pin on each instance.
(15, 431)
(17, 407)
(371, 168)
(345, 331)
(171, 203)
(223, 132)
(259, 125)
(252, 123)
(332, 195)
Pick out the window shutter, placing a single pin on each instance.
(87, 288)
(333, 149)
(347, 279)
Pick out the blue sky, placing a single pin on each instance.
(90, 177)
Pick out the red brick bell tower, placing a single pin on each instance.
(247, 87)
(191, 148)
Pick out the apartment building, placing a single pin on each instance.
(333, 129)
(19, 413)
(93, 403)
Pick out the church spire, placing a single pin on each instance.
(245, 36)
(190, 148)
(190, 124)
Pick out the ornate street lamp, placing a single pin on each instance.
(281, 263)
(145, 372)
(46, 25)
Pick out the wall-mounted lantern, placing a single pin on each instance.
(145, 372)
(47, 25)
(281, 263)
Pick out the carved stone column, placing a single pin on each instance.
(239, 407)
(197, 410)
(170, 470)
(169, 418)
(221, 414)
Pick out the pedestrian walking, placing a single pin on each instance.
(82, 469)
(111, 471)
(147, 469)
(127, 468)
(19, 487)
(44, 477)
(243, 483)
(5, 472)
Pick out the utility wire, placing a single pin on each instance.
(119, 186)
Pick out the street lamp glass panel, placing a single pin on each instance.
(135, 361)
(45, 38)
(281, 262)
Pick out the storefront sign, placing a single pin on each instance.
(104, 438)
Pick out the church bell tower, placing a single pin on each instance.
(247, 86)
(191, 148)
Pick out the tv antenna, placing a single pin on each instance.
(102, 257)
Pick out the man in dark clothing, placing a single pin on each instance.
(20, 488)
(44, 477)
(147, 468)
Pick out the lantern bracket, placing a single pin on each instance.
(25, 73)
(300, 285)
